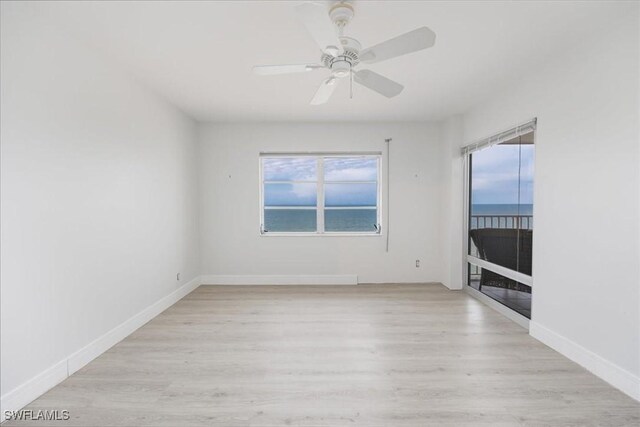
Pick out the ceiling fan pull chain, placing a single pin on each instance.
(350, 83)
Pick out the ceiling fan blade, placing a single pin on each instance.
(316, 18)
(378, 83)
(324, 91)
(412, 41)
(267, 70)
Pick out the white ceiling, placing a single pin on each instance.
(198, 55)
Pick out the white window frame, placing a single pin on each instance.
(467, 151)
(467, 259)
(320, 207)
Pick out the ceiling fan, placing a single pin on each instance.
(342, 54)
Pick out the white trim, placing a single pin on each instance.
(316, 234)
(499, 138)
(94, 349)
(261, 194)
(291, 208)
(27, 392)
(503, 271)
(387, 172)
(320, 153)
(348, 208)
(466, 210)
(312, 208)
(303, 279)
(618, 377)
(350, 182)
(320, 195)
(266, 181)
(500, 308)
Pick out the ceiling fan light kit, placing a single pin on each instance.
(341, 54)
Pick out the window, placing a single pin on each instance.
(500, 227)
(320, 194)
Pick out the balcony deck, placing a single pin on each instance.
(516, 300)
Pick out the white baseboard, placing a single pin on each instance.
(618, 377)
(319, 279)
(94, 349)
(26, 393)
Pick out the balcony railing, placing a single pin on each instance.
(523, 222)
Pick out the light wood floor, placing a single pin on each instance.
(366, 355)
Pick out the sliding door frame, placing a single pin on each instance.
(527, 127)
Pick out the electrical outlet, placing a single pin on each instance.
(417, 263)
(178, 276)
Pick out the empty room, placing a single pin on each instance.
(297, 213)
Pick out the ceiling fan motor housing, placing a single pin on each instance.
(341, 65)
(341, 54)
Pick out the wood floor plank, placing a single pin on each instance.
(366, 355)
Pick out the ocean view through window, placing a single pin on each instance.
(500, 226)
(320, 194)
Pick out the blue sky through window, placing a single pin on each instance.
(344, 195)
(295, 194)
(350, 169)
(335, 169)
(498, 173)
(290, 169)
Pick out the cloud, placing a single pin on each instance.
(305, 169)
(351, 194)
(335, 169)
(299, 194)
(503, 174)
(290, 169)
(351, 169)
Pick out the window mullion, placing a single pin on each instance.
(320, 196)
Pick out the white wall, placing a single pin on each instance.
(99, 193)
(586, 256)
(100, 198)
(232, 245)
(451, 206)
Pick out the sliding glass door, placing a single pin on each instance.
(501, 223)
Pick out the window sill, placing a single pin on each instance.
(293, 234)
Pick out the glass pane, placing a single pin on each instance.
(284, 220)
(351, 169)
(503, 246)
(290, 194)
(525, 245)
(515, 295)
(501, 221)
(345, 195)
(494, 197)
(290, 169)
(354, 220)
(502, 204)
